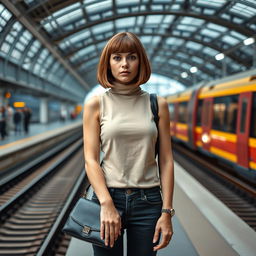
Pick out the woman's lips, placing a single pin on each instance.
(124, 73)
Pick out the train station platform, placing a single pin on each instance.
(203, 226)
(35, 129)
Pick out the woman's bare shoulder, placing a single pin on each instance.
(93, 104)
(162, 103)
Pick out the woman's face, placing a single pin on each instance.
(124, 66)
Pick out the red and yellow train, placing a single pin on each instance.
(219, 119)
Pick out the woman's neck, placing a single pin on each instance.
(125, 89)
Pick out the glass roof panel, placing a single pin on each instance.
(209, 33)
(216, 27)
(157, 7)
(146, 39)
(156, 39)
(175, 7)
(66, 10)
(122, 3)
(182, 55)
(237, 35)
(153, 19)
(174, 62)
(16, 54)
(197, 60)
(125, 22)
(101, 28)
(210, 51)
(174, 41)
(193, 45)
(187, 28)
(161, 1)
(230, 40)
(215, 3)
(83, 52)
(185, 65)
(99, 6)
(89, 64)
(80, 36)
(208, 11)
(70, 17)
(168, 18)
(243, 10)
(190, 21)
(140, 20)
(5, 15)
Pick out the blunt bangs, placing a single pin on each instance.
(122, 44)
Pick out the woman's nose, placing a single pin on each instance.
(124, 62)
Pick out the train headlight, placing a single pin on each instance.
(205, 138)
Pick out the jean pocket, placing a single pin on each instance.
(153, 198)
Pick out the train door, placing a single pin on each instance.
(192, 110)
(243, 128)
(207, 123)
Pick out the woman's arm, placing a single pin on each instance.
(165, 161)
(110, 219)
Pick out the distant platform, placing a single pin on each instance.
(35, 129)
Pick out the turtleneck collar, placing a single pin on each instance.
(126, 89)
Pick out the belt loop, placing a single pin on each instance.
(142, 193)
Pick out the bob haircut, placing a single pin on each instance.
(121, 43)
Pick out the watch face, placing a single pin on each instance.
(170, 211)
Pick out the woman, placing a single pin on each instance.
(120, 123)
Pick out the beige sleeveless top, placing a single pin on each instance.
(128, 136)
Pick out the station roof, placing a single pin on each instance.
(182, 37)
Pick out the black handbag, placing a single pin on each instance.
(84, 222)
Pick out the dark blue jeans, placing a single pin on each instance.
(141, 209)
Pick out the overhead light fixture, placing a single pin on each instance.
(220, 56)
(193, 69)
(184, 74)
(249, 41)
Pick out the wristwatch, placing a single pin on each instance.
(169, 211)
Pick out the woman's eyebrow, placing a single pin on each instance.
(119, 53)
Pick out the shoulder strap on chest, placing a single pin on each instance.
(154, 109)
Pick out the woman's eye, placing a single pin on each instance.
(132, 57)
(116, 58)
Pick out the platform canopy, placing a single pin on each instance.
(186, 40)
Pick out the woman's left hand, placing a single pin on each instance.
(163, 226)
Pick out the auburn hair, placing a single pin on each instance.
(121, 43)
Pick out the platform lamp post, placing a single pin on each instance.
(193, 70)
(221, 57)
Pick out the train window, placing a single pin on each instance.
(253, 117)
(243, 115)
(225, 113)
(171, 111)
(182, 112)
(199, 113)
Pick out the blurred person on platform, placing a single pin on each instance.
(27, 113)
(3, 122)
(17, 119)
(9, 119)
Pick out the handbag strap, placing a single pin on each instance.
(154, 109)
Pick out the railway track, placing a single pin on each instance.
(33, 210)
(239, 196)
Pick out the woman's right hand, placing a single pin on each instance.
(110, 227)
